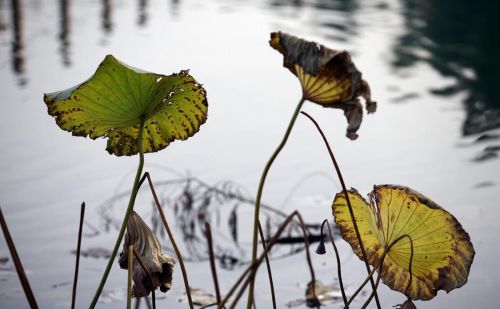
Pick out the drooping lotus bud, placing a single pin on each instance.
(321, 247)
(159, 264)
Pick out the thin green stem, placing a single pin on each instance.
(259, 196)
(130, 207)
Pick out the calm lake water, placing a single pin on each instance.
(433, 68)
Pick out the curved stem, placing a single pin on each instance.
(259, 195)
(344, 189)
(130, 207)
(339, 270)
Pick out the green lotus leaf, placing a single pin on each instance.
(113, 101)
(442, 251)
(328, 77)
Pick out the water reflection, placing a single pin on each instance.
(174, 7)
(17, 48)
(64, 31)
(333, 19)
(192, 203)
(3, 25)
(107, 23)
(458, 39)
(143, 14)
(342, 24)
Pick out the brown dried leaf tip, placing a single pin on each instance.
(159, 264)
(328, 77)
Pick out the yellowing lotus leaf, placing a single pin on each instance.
(328, 77)
(112, 102)
(442, 251)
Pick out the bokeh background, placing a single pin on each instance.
(433, 67)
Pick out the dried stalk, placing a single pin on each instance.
(170, 236)
(337, 168)
(17, 263)
(212, 261)
(77, 264)
(268, 265)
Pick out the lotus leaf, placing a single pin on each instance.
(113, 101)
(328, 77)
(442, 251)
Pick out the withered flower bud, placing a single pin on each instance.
(159, 264)
(328, 77)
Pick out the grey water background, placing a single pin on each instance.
(432, 65)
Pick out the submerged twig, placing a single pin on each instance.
(344, 189)
(77, 264)
(17, 262)
(208, 234)
(268, 265)
(170, 236)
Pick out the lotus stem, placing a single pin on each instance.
(367, 302)
(268, 265)
(208, 234)
(253, 267)
(344, 189)
(171, 237)
(17, 263)
(409, 270)
(77, 263)
(370, 275)
(130, 207)
(259, 195)
(339, 269)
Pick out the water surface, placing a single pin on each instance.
(432, 67)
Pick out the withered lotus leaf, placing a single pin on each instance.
(328, 77)
(442, 251)
(111, 103)
(159, 264)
